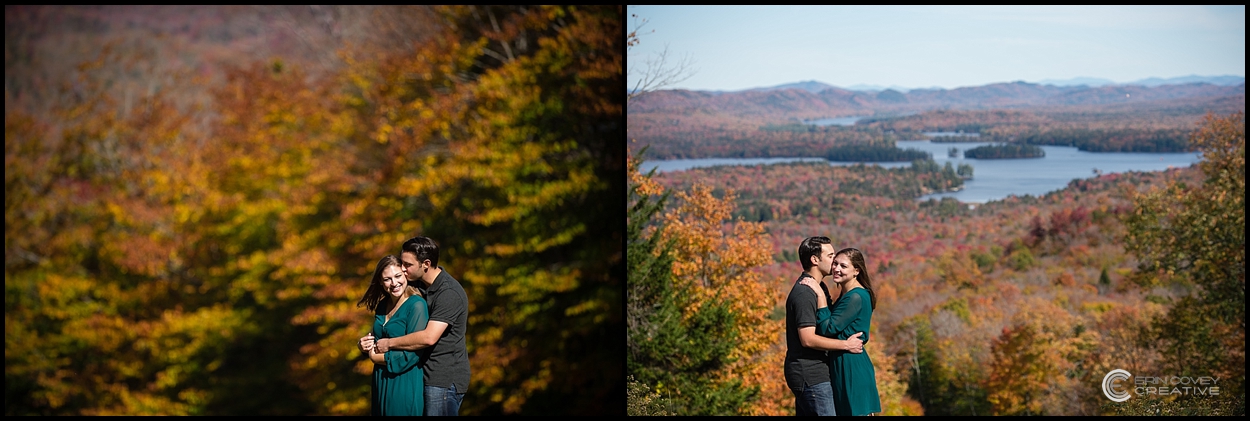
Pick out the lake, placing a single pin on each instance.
(993, 179)
(839, 121)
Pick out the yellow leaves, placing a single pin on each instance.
(145, 403)
(145, 255)
(101, 332)
(958, 269)
(352, 407)
(179, 335)
(646, 185)
(383, 133)
(494, 361)
(538, 382)
(537, 243)
(67, 297)
(594, 307)
(711, 257)
(891, 386)
(1032, 359)
(530, 284)
(1096, 307)
(301, 257)
(716, 260)
(388, 204)
(331, 369)
(339, 311)
(775, 398)
(168, 378)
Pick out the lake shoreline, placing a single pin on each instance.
(992, 179)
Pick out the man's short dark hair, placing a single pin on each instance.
(422, 247)
(811, 247)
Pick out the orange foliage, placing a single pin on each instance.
(891, 385)
(958, 269)
(716, 256)
(171, 256)
(1032, 361)
(1065, 279)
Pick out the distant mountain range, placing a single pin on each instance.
(816, 87)
(1227, 80)
(817, 100)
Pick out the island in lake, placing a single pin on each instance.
(1005, 151)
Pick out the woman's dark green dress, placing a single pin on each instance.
(853, 378)
(399, 386)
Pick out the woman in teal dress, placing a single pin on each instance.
(399, 309)
(854, 379)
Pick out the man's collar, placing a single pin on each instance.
(435, 280)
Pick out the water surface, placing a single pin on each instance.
(993, 179)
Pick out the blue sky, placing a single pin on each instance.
(742, 47)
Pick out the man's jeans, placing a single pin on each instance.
(445, 401)
(816, 400)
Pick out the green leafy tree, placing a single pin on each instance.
(943, 384)
(1194, 236)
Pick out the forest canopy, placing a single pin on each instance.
(196, 196)
(1018, 306)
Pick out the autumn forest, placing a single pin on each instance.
(196, 196)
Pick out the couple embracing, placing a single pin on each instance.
(421, 364)
(825, 365)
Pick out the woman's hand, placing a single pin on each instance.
(366, 344)
(815, 286)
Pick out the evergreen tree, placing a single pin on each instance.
(668, 353)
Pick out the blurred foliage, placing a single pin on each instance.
(203, 257)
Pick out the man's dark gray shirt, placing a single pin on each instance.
(448, 361)
(804, 366)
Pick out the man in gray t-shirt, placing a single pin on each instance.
(807, 364)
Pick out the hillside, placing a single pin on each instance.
(690, 124)
(836, 102)
(44, 45)
(956, 283)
